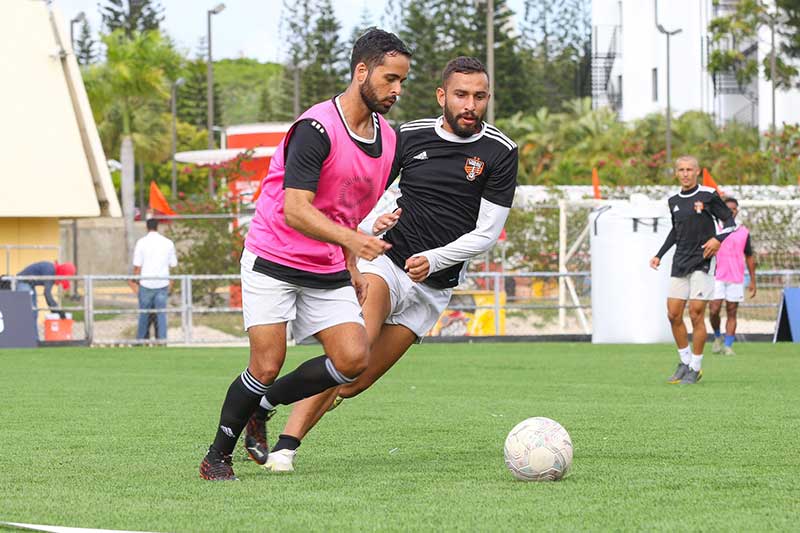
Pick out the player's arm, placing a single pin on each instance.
(750, 260)
(491, 219)
(496, 201)
(386, 214)
(669, 242)
(719, 210)
(307, 149)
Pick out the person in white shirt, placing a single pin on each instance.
(153, 256)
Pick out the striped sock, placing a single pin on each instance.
(310, 378)
(243, 396)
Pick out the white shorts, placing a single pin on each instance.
(266, 300)
(696, 286)
(731, 292)
(413, 305)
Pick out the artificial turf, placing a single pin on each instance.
(112, 438)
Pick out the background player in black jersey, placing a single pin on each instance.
(694, 232)
(457, 184)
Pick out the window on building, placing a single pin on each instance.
(655, 85)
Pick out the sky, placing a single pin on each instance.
(246, 28)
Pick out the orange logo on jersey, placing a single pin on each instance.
(698, 207)
(473, 168)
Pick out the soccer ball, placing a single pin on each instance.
(538, 449)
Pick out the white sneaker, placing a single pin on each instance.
(727, 350)
(280, 461)
(717, 346)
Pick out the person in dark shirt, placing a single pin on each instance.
(457, 184)
(46, 268)
(694, 210)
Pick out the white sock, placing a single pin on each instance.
(685, 354)
(697, 362)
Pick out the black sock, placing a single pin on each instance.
(286, 442)
(261, 413)
(310, 378)
(243, 396)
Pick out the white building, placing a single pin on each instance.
(629, 69)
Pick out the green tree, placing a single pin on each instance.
(191, 104)
(427, 28)
(131, 16)
(85, 51)
(325, 74)
(558, 35)
(126, 88)
(733, 34)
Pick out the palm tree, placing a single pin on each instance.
(124, 91)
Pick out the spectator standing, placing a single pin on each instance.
(153, 256)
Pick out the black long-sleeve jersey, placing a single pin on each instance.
(443, 180)
(693, 224)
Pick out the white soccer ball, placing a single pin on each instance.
(538, 449)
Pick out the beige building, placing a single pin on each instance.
(51, 159)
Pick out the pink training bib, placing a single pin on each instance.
(350, 184)
(730, 257)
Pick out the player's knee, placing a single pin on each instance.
(264, 371)
(352, 363)
(696, 315)
(731, 309)
(674, 318)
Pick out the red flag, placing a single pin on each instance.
(158, 202)
(596, 184)
(708, 181)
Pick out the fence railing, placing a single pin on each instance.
(206, 309)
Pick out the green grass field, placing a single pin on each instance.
(112, 438)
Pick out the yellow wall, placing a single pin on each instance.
(27, 231)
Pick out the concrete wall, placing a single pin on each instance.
(101, 245)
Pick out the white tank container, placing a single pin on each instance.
(629, 299)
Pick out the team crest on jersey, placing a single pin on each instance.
(473, 167)
(698, 207)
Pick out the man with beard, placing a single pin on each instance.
(457, 184)
(299, 261)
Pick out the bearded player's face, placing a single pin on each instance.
(383, 83)
(464, 100)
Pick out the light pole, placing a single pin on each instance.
(669, 34)
(80, 17)
(210, 94)
(177, 83)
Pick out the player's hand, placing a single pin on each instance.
(710, 248)
(418, 268)
(654, 263)
(752, 289)
(386, 222)
(360, 284)
(367, 247)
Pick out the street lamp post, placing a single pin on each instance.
(80, 17)
(175, 85)
(210, 93)
(669, 34)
